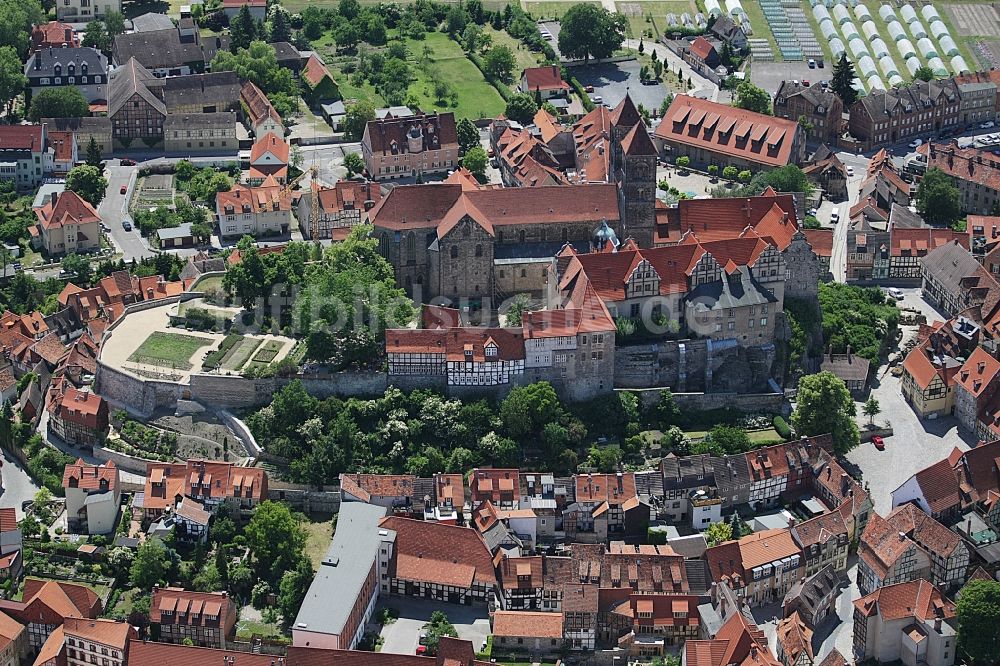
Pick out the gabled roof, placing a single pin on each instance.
(69, 208)
(721, 128)
(439, 553)
(258, 105)
(925, 530)
(21, 137)
(91, 477)
(133, 79)
(546, 78)
(939, 486)
(916, 599)
(315, 71)
(269, 143)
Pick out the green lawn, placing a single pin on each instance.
(319, 533)
(524, 56)
(768, 435)
(206, 283)
(172, 350)
(247, 629)
(551, 10)
(476, 98)
(296, 6)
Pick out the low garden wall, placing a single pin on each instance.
(133, 464)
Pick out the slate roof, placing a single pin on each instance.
(158, 49)
(84, 60)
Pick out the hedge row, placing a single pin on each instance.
(214, 359)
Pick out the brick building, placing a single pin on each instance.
(405, 147)
(712, 133)
(891, 116)
(975, 172)
(208, 619)
(821, 108)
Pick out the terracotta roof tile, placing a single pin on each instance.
(69, 208)
(439, 553)
(149, 652)
(90, 477)
(528, 624)
(925, 530)
(939, 486)
(917, 599)
(546, 78)
(105, 632)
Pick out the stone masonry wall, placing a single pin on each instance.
(690, 366)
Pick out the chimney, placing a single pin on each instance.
(937, 624)
(791, 522)
(902, 536)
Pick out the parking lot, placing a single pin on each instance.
(769, 75)
(403, 635)
(612, 80)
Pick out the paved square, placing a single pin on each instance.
(612, 80)
(403, 635)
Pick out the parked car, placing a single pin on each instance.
(878, 442)
(126, 225)
(125, 161)
(806, 82)
(988, 124)
(123, 189)
(421, 649)
(850, 171)
(835, 216)
(589, 89)
(895, 292)
(812, 63)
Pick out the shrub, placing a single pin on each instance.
(781, 427)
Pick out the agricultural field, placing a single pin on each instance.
(550, 9)
(638, 14)
(172, 350)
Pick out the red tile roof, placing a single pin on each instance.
(821, 241)
(347, 195)
(259, 107)
(315, 71)
(517, 624)
(91, 477)
(62, 144)
(771, 216)
(54, 34)
(83, 408)
(21, 137)
(548, 77)
(269, 143)
(916, 599)
(366, 486)
(69, 208)
(906, 242)
(795, 639)
(173, 605)
(105, 632)
(925, 530)
(939, 486)
(241, 199)
(149, 652)
(439, 553)
(720, 128)
(702, 48)
(438, 130)
(979, 372)
(881, 546)
(972, 165)
(493, 484)
(610, 488)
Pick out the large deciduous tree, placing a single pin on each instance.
(750, 97)
(499, 62)
(62, 102)
(356, 118)
(522, 108)
(978, 612)
(824, 406)
(590, 31)
(275, 539)
(16, 19)
(12, 78)
(88, 182)
(938, 200)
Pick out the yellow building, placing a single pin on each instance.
(928, 381)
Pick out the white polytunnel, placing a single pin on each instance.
(908, 13)
(821, 13)
(896, 80)
(912, 64)
(837, 48)
(929, 13)
(958, 65)
(948, 46)
(850, 31)
(858, 85)
(869, 29)
(734, 7)
(867, 66)
(879, 48)
(917, 29)
(886, 12)
(862, 14)
(875, 83)
(858, 47)
(841, 13)
(926, 48)
(888, 66)
(938, 29)
(906, 48)
(896, 31)
(829, 32)
(937, 66)
(713, 7)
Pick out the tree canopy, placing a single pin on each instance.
(825, 406)
(978, 612)
(521, 108)
(16, 19)
(62, 102)
(857, 317)
(275, 539)
(87, 181)
(938, 200)
(12, 78)
(356, 118)
(257, 62)
(750, 97)
(590, 31)
(842, 82)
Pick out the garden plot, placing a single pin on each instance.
(169, 350)
(232, 353)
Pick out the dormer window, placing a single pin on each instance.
(491, 351)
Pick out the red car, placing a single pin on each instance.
(127, 162)
(123, 189)
(878, 442)
(421, 649)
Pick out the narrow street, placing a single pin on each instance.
(18, 486)
(113, 211)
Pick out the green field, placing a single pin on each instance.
(296, 6)
(172, 350)
(476, 98)
(550, 10)
(209, 282)
(524, 56)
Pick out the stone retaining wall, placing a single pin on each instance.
(689, 366)
(773, 403)
(132, 464)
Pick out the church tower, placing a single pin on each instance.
(633, 170)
